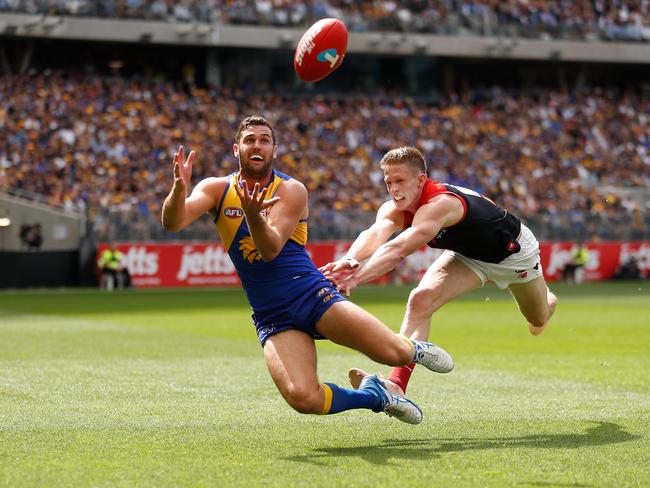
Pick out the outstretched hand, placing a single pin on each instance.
(183, 170)
(339, 270)
(341, 274)
(253, 203)
(347, 285)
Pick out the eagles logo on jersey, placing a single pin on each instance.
(248, 249)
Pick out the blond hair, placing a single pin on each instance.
(405, 155)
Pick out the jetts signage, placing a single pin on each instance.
(208, 264)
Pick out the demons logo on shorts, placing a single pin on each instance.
(233, 212)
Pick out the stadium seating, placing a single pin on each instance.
(106, 144)
(567, 19)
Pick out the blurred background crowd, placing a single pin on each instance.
(582, 19)
(104, 145)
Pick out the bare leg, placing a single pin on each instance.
(349, 325)
(447, 278)
(536, 303)
(291, 359)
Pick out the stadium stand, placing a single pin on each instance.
(538, 137)
(105, 145)
(565, 19)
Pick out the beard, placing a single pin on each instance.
(248, 171)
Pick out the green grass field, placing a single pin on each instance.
(169, 388)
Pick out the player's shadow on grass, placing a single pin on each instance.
(413, 449)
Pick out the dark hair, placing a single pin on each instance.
(251, 121)
(405, 155)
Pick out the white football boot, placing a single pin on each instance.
(432, 357)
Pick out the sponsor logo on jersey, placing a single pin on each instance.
(328, 298)
(322, 291)
(233, 212)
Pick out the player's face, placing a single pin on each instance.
(404, 185)
(255, 151)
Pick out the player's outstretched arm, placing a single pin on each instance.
(178, 210)
(442, 211)
(286, 208)
(387, 222)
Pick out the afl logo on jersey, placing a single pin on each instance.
(233, 212)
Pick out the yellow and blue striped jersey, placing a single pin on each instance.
(267, 284)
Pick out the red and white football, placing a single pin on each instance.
(321, 50)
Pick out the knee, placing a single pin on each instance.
(423, 301)
(540, 317)
(538, 321)
(303, 400)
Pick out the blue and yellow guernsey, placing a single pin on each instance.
(268, 285)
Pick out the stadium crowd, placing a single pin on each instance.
(106, 145)
(611, 20)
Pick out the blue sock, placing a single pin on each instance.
(339, 399)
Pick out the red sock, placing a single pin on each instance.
(401, 376)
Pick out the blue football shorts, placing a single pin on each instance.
(311, 296)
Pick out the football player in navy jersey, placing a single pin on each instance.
(261, 217)
(481, 241)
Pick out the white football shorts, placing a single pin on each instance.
(521, 267)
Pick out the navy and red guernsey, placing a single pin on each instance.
(486, 231)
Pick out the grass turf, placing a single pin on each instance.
(169, 388)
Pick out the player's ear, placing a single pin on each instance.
(235, 150)
(275, 151)
(422, 178)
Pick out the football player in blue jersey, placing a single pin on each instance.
(481, 241)
(261, 216)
